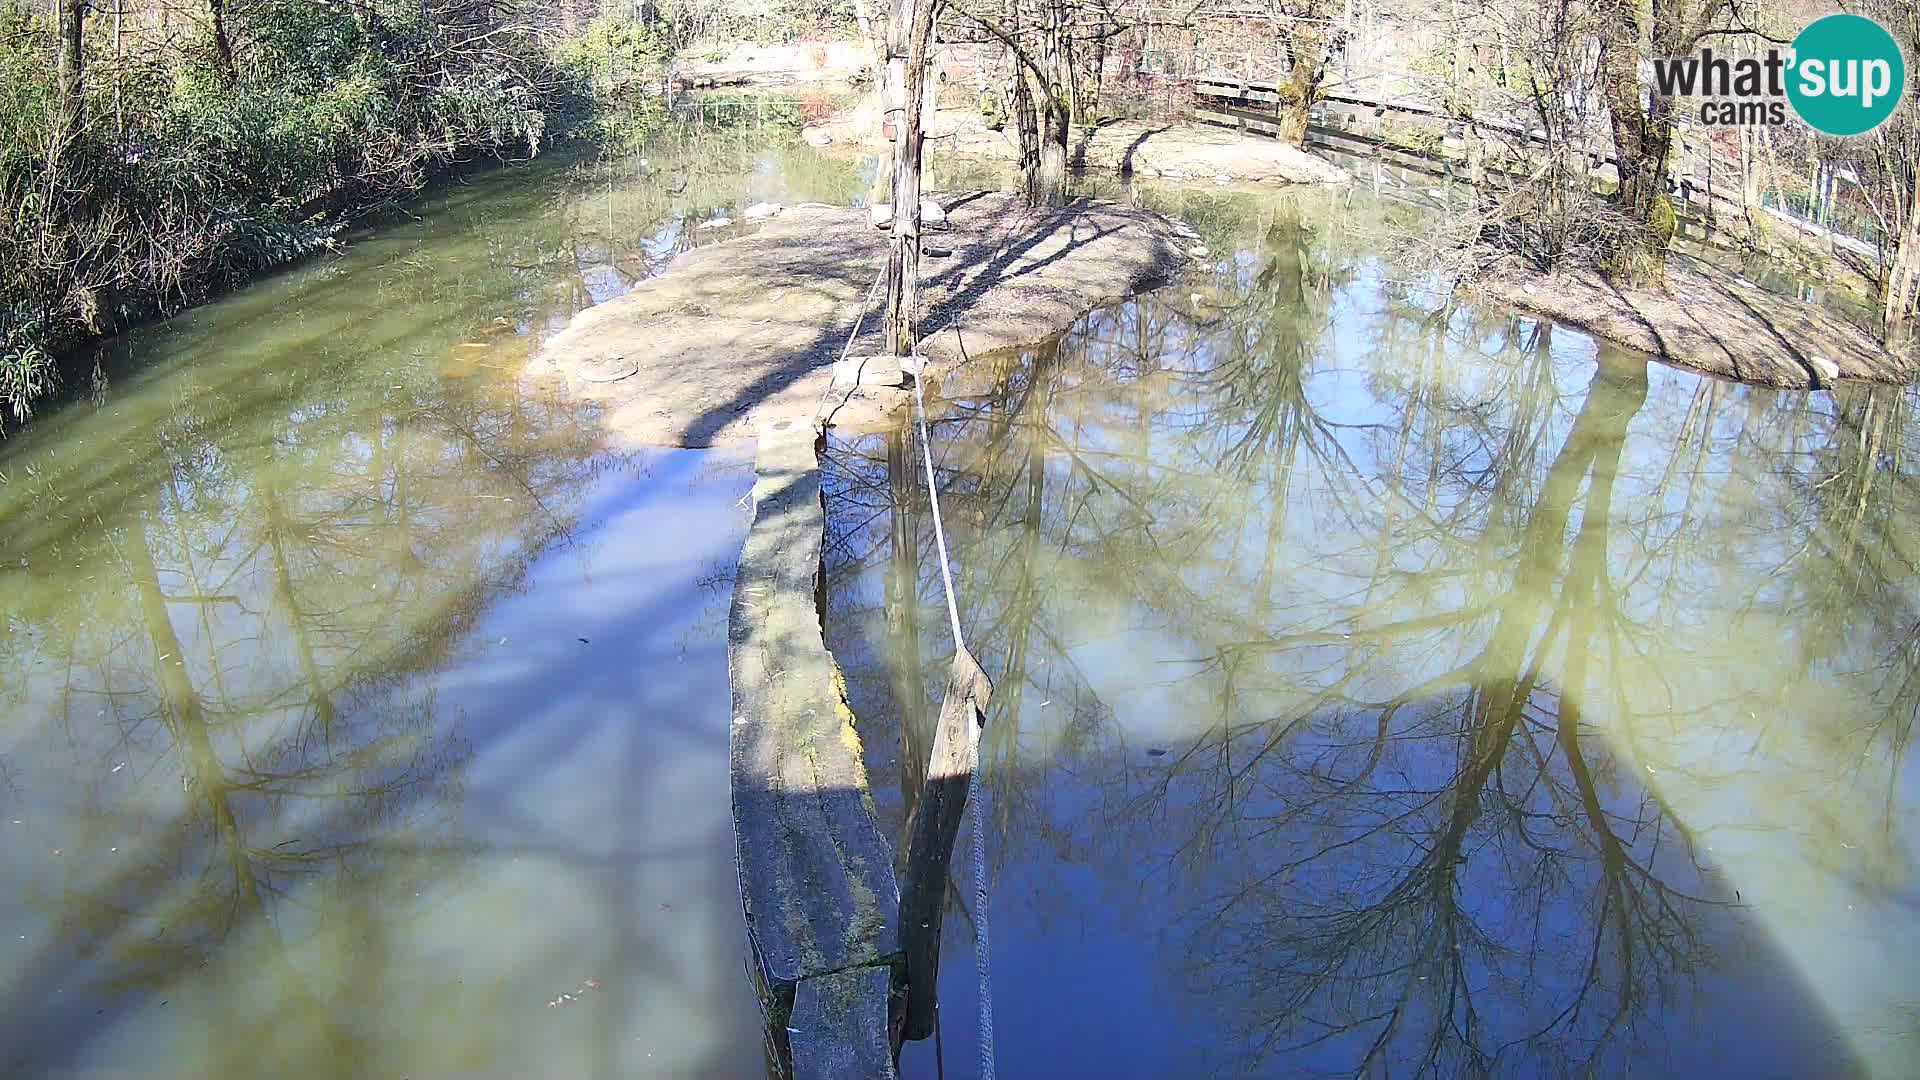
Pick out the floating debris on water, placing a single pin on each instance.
(574, 996)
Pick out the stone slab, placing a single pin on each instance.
(838, 1030)
(816, 874)
(869, 371)
(743, 329)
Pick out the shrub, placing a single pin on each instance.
(202, 177)
(613, 49)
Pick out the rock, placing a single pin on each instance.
(762, 210)
(1825, 368)
(868, 371)
(817, 136)
(716, 223)
(1199, 251)
(1530, 289)
(932, 216)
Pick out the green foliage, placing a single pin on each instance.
(26, 370)
(1663, 220)
(614, 49)
(191, 177)
(990, 113)
(618, 63)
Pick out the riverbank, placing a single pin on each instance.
(748, 63)
(740, 335)
(1710, 321)
(1173, 151)
(136, 188)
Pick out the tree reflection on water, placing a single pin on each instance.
(242, 592)
(1402, 665)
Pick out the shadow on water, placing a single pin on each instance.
(361, 717)
(1390, 691)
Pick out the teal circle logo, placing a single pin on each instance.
(1848, 75)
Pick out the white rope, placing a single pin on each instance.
(819, 409)
(976, 791)
(933, 498)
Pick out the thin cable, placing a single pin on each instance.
(859, 321)
(982, 952)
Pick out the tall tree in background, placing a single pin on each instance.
(1643, 134)
(1043, 84)
(222, 39)
(1891, 161)
(70, 16)
(908, 39)
(1310, 39)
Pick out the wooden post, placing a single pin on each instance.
(911, 32)
(931, 830)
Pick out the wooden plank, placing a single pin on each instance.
(816, 875)
(838, 1030)
(934, 825)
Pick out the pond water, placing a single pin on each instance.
(361, 715)
(1380, 691)
(1384, 690)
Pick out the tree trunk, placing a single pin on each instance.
(1302, 86)
(1026, 125)
(1751, 189)
(1056, 102)
(912, 32)
(222, 42)
(1099, 76)
(70, 16)
(1904, 279)
(1642, 137)
(875, 41)
(1051, 186)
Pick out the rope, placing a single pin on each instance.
(818, 409)
(982, 954)
(976, 791)
(933, 498)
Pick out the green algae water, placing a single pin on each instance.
(1383, 689)
(360, 714)
(1392, 688)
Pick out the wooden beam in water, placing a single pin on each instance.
(933, 828)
